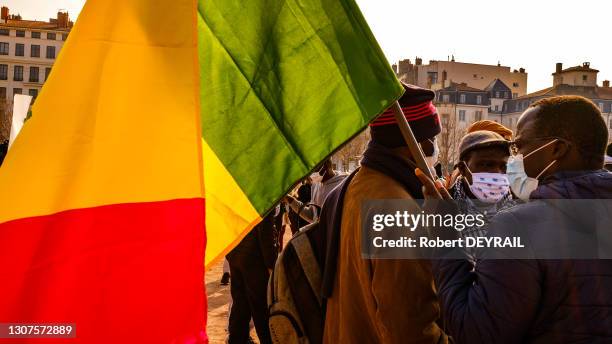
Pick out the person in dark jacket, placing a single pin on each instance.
(250, 265)
(559, 155)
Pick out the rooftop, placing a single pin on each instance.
(32, 24)
(61, 22)
(497, 82)
(461, 87)
(592, 92)
(586, 67)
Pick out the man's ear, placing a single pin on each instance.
(560, 149)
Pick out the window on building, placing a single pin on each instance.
(33, 92)
(584, 77)
(50, 52)
(462, 115)
(20, 33)
(17, 91)
(35, 50)
(18, 73)
(496, 94)
(514, 95)
(64, 36)
(478, 116)
(3, 93)
(496, 107)
(446, 98)
(51, 36)
(35, 34)
(3, 72)
(515, 84)
(19, 49)
(432, 77)
(4, 48)
(47, 72)
(478, 100)
(601, 107)
(34, 74)
(5, 32)
(462, 98)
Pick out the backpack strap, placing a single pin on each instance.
(331, 218)
(304, 251)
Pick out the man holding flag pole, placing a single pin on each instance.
(114, 198)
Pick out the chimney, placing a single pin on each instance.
(4, 13)
(559, 67)
(62, 20)
(418, 61)
(606, 83)
(522, 70)
(586, 65)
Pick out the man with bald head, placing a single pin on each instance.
(537, 298)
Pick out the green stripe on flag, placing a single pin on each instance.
(284, 84)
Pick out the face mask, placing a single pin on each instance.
(432, 160)
(489, 187)
(521, 184)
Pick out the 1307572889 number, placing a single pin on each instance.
(38, 330)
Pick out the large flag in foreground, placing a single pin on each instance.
(283, 84)
(153, 106)
(101, 195)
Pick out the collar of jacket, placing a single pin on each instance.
(392, 164)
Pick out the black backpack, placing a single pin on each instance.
(295, 290)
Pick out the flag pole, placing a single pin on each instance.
(413, 145)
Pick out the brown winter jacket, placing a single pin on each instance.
(379, 301)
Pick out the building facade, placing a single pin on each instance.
(498, 93)
(28, 50)
(459, 105)
(441, 74)
(578, 80)
(463, 104)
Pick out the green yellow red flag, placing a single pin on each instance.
(161, 117)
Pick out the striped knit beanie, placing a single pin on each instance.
(420, 113)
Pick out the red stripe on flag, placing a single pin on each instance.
(125, 273)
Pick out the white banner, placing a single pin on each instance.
(21, 105)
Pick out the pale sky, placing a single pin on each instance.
(534, 34)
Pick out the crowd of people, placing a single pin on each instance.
(558, 152)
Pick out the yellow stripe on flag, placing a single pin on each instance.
(229, 214)
(116, 121)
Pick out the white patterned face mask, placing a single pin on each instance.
(489, 187)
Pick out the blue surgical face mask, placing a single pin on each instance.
(521, 184)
